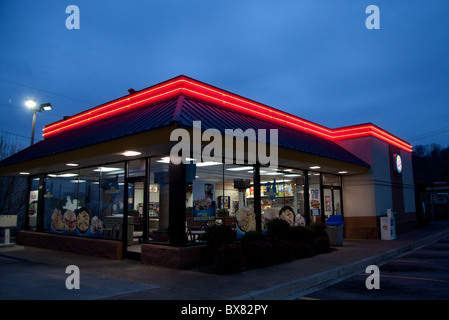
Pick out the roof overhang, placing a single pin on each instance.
(183, 85)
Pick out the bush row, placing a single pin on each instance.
(280, 243)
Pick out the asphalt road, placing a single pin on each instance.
(422, 274)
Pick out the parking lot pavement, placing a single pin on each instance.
(27, 280)
(422, 274)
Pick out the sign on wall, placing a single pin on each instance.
(397, 163)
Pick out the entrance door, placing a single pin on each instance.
(332, 201)
(135, 213)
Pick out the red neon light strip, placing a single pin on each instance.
(195, 89)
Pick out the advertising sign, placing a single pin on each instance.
(76, 221)
(203, 200)
(315, 201)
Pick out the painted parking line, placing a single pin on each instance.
(417, 261)
(406, 277)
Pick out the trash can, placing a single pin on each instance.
(335, 230)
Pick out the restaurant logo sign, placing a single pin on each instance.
(212, 152)
(397, 163)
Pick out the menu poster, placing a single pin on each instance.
(203, 200)
(315, 201)
(327, 204)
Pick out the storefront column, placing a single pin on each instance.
(306, 198)
(177, 210)
(257, 206)
(146, 202)
(40, 204)
(27, 203)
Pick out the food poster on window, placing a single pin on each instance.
(315, 201)
(203, 200)
(224, 202)
(32, 207)
(75, 220)
(327, 205)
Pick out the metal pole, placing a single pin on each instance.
(32, 128)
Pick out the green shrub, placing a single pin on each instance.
(278, 229)
(301, 234)
(229, 259)
(283, 251)
(252, 236)
(321, 245)
(258, 253)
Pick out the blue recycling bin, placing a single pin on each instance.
(335, 226)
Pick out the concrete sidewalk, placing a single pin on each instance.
(28, 273)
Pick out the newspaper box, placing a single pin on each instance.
(6, 222)
(387, 228)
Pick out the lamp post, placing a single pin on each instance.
(32, 105)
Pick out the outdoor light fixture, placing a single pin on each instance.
(24, 173)
(72, 164)
(342, 172)
(46, 106)
(315, 167)
(32, 105)
(131, 153)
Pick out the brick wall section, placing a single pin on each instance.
(173, 257)
(88, 246)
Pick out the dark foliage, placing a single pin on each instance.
(229, 259)
(251, 236)
(321, 245)
(217, 235)
(302, 250)
(319, 230)
(300, 234)
(278, 229)
(283, 251)
(258, 253)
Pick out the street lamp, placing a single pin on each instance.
(32, 105)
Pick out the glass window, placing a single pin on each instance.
(61, 202)
(294, 194)
(111, 199)
(85, 202)
(331, 180)
(204, 193)
(136, 168)
(314, 196)
(159, 201)
(237, 198)
(32, 204)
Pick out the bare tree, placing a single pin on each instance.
(12, 189)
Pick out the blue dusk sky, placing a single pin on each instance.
(315, 59)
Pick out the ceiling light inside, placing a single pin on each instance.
(131, 153)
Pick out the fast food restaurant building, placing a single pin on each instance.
(102, 182)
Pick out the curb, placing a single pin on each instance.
(286, 289)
